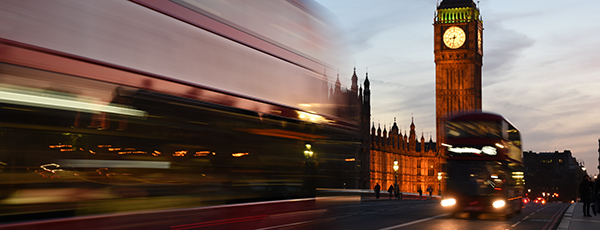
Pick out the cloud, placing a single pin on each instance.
(504, 48)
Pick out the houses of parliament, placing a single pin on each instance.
(418, 159)
(458, 55)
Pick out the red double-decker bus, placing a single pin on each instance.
(484, 168)
(127, 106)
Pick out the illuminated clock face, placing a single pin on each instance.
(454, 37)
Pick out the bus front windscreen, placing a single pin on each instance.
(474, 129)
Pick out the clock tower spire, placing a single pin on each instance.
(458, 51)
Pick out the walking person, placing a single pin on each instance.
(596, 196)
(377, 189)
(597, 192)
(391, 191)
(420, 193)
(430, 190)
(585, 193)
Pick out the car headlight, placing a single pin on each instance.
(448, 202)
(499, 204)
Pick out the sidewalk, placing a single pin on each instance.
(574, 219)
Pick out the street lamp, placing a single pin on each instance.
(440, 183)
(308, 153)
(309, 170)
(396, 167)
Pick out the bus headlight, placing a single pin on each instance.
(448, 202)
(499, 204)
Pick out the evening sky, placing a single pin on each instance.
(541, 66)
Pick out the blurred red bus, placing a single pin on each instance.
(115, 106)
(484, 169)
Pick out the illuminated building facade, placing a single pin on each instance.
(458, 49)
(418, 160)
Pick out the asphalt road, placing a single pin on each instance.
(420, 215)
(344, 213)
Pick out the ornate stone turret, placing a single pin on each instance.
(412, 139)
(422, 143)
(354, 86)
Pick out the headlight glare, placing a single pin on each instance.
(448, 202)
(499, 204)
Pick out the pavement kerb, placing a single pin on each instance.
(566, 220)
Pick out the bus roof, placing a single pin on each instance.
(477, 116)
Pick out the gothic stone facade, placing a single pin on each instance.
(418, 161)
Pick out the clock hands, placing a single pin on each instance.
(454, 37)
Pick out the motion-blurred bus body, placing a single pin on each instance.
(484, 169)
(115, 106)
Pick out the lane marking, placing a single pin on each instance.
(218, 222)
(317, 211)
(296, 224)
(414, 222)
(512, 226)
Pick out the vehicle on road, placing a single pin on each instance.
(539, 200)
(484, 169)
(118, 106)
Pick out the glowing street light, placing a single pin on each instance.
(308, 153)
(439, 183)
(396, 167)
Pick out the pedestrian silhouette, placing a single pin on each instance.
(420, 193)
(391, 191)
(596, 196)
(430, 190)
(585, 193)
(377, 189)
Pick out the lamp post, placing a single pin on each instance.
(440, 183)
(396, 167)
(309, 170)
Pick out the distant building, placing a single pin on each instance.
(550, 173)
(598, 157)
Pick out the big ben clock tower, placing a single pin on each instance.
(458, 48)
